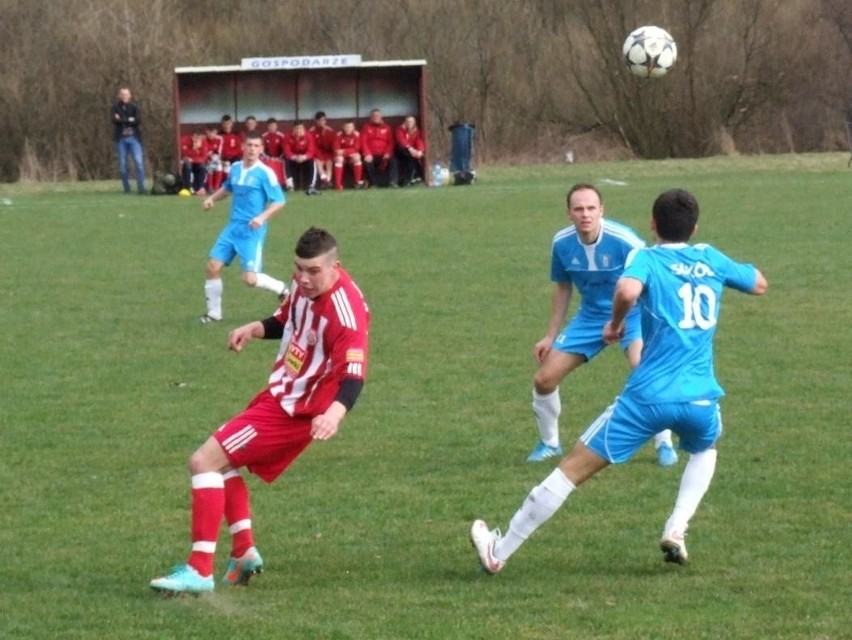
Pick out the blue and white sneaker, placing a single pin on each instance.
(543, 452)
(183, 579)
(240, 570)
(666, 455)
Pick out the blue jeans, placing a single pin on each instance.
(131, 144)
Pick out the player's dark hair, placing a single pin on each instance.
(581, 187)
(226, 118)
(315, 242)
(271, 120)
(319, 114)
(254, 134)
(675, 215)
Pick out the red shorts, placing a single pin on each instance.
(263, 438)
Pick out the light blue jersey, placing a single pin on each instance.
(680, 306)
(252, 190)
(593, 269)
(674, 386)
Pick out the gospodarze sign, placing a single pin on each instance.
(302, 62)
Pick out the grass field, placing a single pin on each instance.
(109, 383)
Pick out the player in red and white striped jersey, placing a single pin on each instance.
(318, 374)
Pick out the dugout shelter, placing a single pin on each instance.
(293, 89)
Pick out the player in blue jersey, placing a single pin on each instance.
(678, 289)
(589, 255)
(257, 197)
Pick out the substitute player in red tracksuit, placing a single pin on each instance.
(193, 161)
(377, 146)
(410, 149)
(273, 152)
(300, 154)
(232, 144)
(214, 157)
(318, 374)
(273, 140)
(347, 149)
(324, 142)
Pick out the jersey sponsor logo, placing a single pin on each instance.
(295, 358)
(354, 355)
(697, 270)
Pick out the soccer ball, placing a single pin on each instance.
(649, 52)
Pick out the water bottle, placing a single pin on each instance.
(437, 171)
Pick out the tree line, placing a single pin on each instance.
(537, 77)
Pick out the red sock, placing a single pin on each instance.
(208, 507)
(358, 170)
(238, 513)
(338, 177)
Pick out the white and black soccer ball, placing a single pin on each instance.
(649, 52)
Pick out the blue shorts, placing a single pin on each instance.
(625, 425)
(239, 239)
(584, 336)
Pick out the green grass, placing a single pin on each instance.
(109, 383)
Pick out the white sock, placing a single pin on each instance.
(270, 284)
(693, 485)
(213, 293)
(547, 409)
(663, 437)
(541, 503)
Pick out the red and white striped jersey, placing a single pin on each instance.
(324, 342)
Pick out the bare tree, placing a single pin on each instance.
(530, 74)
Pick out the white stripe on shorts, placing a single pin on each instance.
(601, 421)
(239, 439)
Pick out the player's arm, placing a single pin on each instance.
(627, 292)
(353, 353)
(241, 336)
(268, 329)
(745, 278)
(559, 301)
(760, 284)
(325, 425)
(271, 210)
(220, 194)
